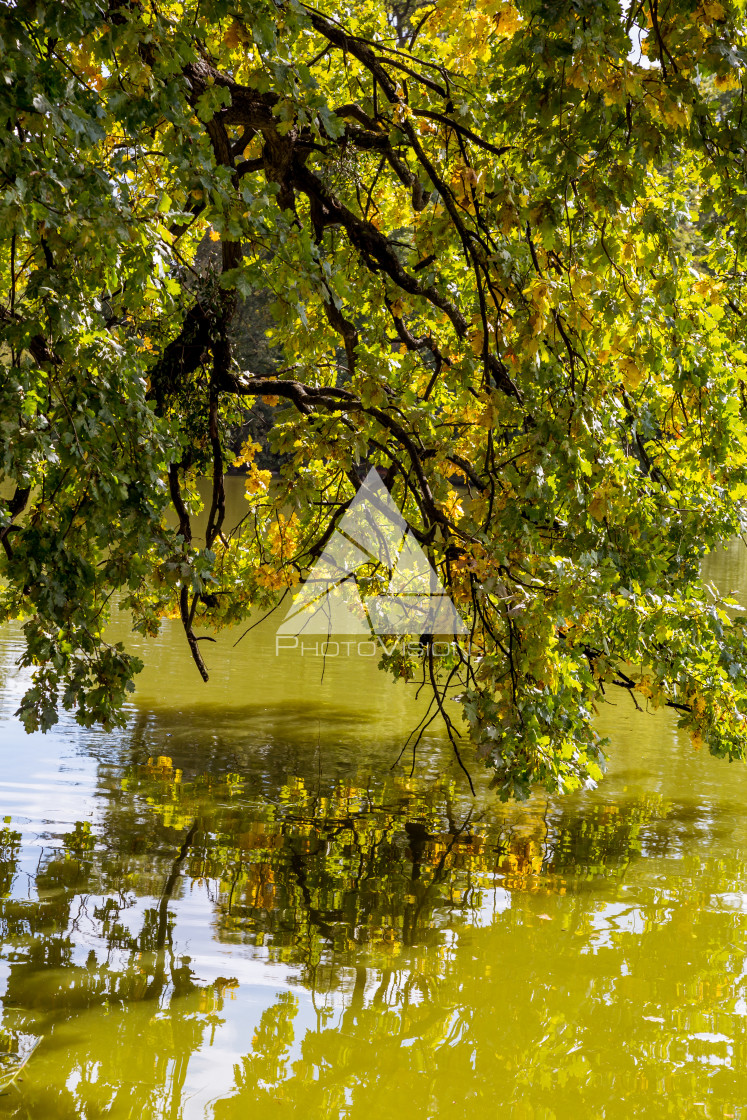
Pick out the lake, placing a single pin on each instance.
(242, 905)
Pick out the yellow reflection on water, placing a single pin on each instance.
(236, 909)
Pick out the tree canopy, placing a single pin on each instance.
(500, 244)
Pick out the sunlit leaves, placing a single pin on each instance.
(510, 274)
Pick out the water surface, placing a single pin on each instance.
(236, 907)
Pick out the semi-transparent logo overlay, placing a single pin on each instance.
(329, 603)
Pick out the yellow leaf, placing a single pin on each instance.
(712, 10)
(247, 453)
(598, 505)
(506, 20)
(676, 115)
(487, 418)
(507, 218)
(256, 481)
(576, 78)
(632, 373)
(214, 236)
(644, 686)
(477, 339)
(236, 35)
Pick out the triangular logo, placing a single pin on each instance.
(372, 531)
(373, 521)
(413, 574)
(339, 610)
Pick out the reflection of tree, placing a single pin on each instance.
(79, 890)
(10, 846)
(317, 875)
(558, 1032)
(364, 887)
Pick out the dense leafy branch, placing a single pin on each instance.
(501, 259)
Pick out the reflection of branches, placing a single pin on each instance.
(156, 985)
(296, 864)
(437, 877)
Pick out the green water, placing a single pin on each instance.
(271, 921)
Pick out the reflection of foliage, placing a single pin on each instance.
(365, 887)
(267, 1064)
(10, 843)
(386, 867)
(603, 839)
(583, 1016)
(81, 839)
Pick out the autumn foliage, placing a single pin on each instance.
(501, 245)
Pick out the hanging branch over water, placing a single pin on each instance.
(493, 256)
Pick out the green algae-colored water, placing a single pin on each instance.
(236, 908)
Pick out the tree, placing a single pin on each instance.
(501, 245)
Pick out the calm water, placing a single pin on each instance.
(236, 908)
